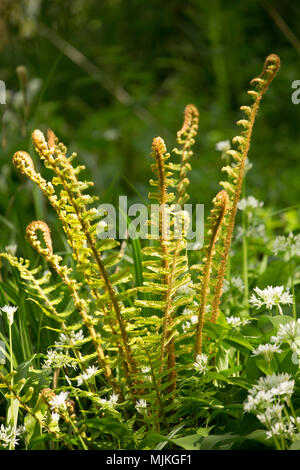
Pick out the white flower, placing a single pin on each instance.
(285, 429)
(193, 318)
(258, 399)
(187, 311)
(268, 390)
(86, 375)
(266, 399)
(288, 333)
(280, 384)
(113, 399)
(186, 289)
(111, 134)
(267, 350)
(295, 421)
(182, 219)
(249, 203)
(235, 282)
(8, 436)
(271, 413)
(276, 430)
(102, 227)
(186, 326)
(11, 249)
(73, 336)
(197, 246)
(55, 418)
(57, 360)
(141, 406)
(226, 286)
(248, 165)
(111, 402)
(145, 371)
(237, 321)
(290, 244)
(223, 146)
(201, 363)
(10, 311)
(270, 297)
(58, 402)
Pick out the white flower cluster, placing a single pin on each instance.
(145, 371)
(57, 360)
(11, 249)
(64, 339)
(272, 389)
(289, 244)
(188, 324)
(190, 312)
(9, 435)
(268, 401)
(271, 297)
(288, 333)
(86, 375)
(249, 203)
(237, 322)
(256, 231)
(111, 402)
(223, 146)
(59, 402)
(286, 428)
(201, 363)
(267, 351)
(141, 406)
(235, 283)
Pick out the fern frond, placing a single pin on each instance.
(242, 143)
(185, 138)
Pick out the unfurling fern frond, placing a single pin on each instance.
(235, 172)
(185, 139)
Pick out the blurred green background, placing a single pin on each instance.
(108, 76)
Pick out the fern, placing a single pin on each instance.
(135, 332)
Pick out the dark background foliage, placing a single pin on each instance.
(108, 76)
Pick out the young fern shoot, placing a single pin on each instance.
(236, 172)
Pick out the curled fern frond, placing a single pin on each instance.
(239, 155)
(23, 161)
(185, 139)
(31, 230)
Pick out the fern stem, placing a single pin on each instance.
(217, 217)
(159, 149)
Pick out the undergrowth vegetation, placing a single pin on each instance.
(145, 344)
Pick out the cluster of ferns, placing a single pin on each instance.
(131, 328)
